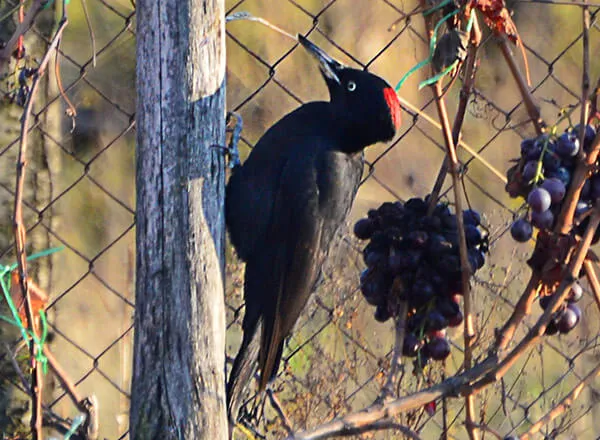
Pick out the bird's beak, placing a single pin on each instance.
(329, 66)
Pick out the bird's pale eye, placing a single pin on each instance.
(351, 86)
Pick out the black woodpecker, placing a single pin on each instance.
(285, 203)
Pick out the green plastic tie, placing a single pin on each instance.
(431, 50)
(77, 422)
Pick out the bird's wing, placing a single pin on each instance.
(294, 236)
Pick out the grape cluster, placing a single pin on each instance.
(543, 176)
(414, 257)
(568, 315)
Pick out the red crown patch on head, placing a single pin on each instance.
(394, 105)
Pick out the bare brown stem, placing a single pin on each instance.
(558, 298)
(522, 309)
(562, 406)
(20, 236)
(592, 278)
(564, 222)
(465, 93)
(285, 421)
(396, 364)
(22, 27)
(532, 108)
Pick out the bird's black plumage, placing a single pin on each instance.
(284, 205)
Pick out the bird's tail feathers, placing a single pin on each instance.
(243, 369)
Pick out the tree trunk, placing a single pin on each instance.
(178, 384)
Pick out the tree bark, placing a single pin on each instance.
(178, 384)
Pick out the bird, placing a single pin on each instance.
(285, 203)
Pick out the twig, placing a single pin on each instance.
(382, 411)
(396, 365)
(379, 425)
(15, 364)
(22, 27)
(532, 108)
(20, 235)
(563, 406)
(285, 421)
(465, 94)
(557, 300)
(567, 212)
(590, 273)
(522, 309)
(468, 331)
(64, 380)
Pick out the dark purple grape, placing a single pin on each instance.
(542, 220)
(436, 333)
(431, 223)
(472, 235)
(471, 217)
(437, 348)
(418, 239)
(588, 138)
(586, 191)
(511, 437)
(374, 258)
(539, 199)
(456, 320)
(438, 245)
(544, 301)
(556, 188)
(581, 208)
(575, 309)
(575, 294)
(415, 323)
(364, 228)
(436, 321)
(449, 264)
(529, 170)
(567, 145)
(374, 286)
(568, 320)
(530, 149)
(382, 313)
(447, 307)
(476, 259)
(449, 222)
(411, 345)
(551, 161)
(372, 214)
(422, 292)
(561, 174)
(416, 206)
(552, 328)
(595, 191)
(521, 230)
(441, 210)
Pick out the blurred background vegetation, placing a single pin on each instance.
(81, 195)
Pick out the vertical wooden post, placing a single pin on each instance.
(178, 384)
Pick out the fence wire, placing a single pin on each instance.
(80, 196)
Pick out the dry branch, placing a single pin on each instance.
(20, 234)
(22, 27)
(562, 406)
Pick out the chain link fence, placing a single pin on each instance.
(79, 195)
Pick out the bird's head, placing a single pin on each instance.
(366, 104)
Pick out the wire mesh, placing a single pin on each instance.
(80, 196)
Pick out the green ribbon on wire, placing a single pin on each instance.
(432, 45)
(16, 320)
